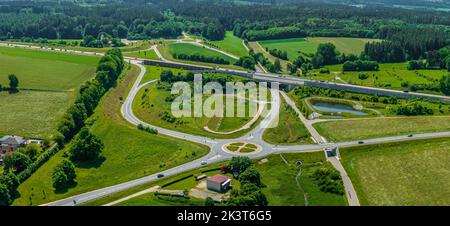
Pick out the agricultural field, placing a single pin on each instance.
(299, 46)
(290, 129)
(151, 106)
(144, 154)
(231, 44)
(357, 129)
(47, 86)
(399, 174)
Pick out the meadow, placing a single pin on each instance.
(32, 114)
(151, 106)
(357, 129)
(400, 174)
(290, 129)
(231, 44)
(281, 187)
(167, 49)
(144, 54)
(128, 154)
(299, 46)
(390, 75)
(257, 48)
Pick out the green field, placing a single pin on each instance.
(257, 48)
(168, 49)
(32, 113)
(405, 173)
(53, 43)
(129, 154)
(281, 188)
(290, 129)
(231, 44)
(297, 46)
(150, 105)
(45, 70)
(47, 86)
(154, 72)
(145, 54)
(390, 75)
(356, 129)
(151, 199)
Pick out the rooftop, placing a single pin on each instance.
(12, 140)
(218, 178)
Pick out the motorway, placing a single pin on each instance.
(217, 153)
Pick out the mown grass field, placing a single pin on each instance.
(281, 188)
(48, 83)
(297, 46)
(404, 173)
(150, 105)
(357, 129)
(145, 54)
(290, 129)
(45, 70)
(231, 44)
(129, 153)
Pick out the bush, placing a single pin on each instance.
(86, 146)
(324, 71)
(147, 129)
(328, 180)
(411, 109)
(363, 76)
(360, 65)
(63, 174)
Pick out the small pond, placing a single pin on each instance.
(334, 107)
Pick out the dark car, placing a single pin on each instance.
(410, 135)
(360, 142)
(406, 91)
(160, 175)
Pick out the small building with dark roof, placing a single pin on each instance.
(218, 183)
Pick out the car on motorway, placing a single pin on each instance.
(406, 91)
(160, 175)
(203, 163)
(360, 142)
(410, 135)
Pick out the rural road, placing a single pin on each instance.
(217, 153)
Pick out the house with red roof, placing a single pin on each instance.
(218, 183)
